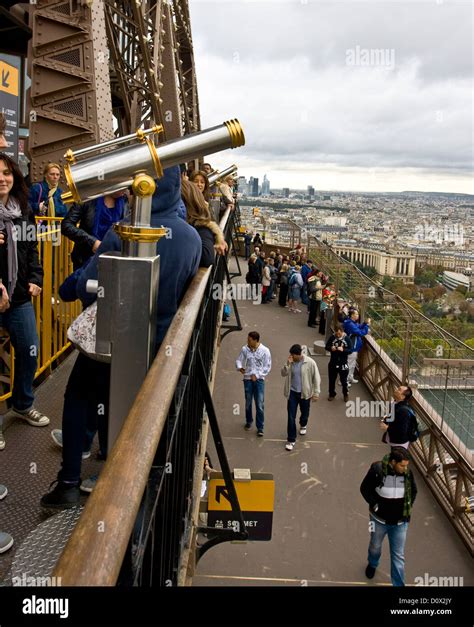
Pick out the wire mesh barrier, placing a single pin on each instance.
(53, 316)
(405, 347)
(147, 491)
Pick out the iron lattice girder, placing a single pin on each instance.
(185, 64)
(134, 41)
(70, 99)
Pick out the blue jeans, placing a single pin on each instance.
(294, 400)
(304, 295)
(86, 403)
(254, 390)
(396, 537)
(20, 323)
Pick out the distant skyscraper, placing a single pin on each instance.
(265, 186)
(253, 186)
(310, 191)
(242, 185)
(286, 192)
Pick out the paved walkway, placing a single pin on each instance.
(320, 525)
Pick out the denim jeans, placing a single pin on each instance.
(294, 400)
(86, 400)
(254, 390)
(20, 323)
(396, 537)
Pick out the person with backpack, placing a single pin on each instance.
(45, 196)
(315, 295)
(390, 490)
(295, 284)
(283, 281)
(338, 346)
(400, 428)
(306, 270)
(355, 330)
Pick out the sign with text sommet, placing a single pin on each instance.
(256, 499)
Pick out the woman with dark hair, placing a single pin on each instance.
(199, 178)
(21, 278)
(95, 218)
(199, 216)
(45, 197)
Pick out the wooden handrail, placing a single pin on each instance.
(95, 551)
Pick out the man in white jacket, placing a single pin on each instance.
(255, 363)
(302, 385)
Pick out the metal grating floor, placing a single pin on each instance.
(28, 464)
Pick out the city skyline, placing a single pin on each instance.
(369, 106)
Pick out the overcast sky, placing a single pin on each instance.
(374, 96)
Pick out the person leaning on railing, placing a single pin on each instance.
(21, 279)
(45, 197)
(87, 388)
(199, 216)
(199, 178)
(87, 223)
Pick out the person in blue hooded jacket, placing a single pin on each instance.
(88, 385)
(355, 331)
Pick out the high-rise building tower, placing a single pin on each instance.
(310, 192)
(253, 186)
(286, 192)
(265, 186)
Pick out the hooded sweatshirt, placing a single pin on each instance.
(179, 252)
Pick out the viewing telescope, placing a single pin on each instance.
(129, 279)
(112, 168)
(223, 174)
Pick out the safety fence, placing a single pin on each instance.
(53, 316)
(405, 347)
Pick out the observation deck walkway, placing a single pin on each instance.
(320, 523)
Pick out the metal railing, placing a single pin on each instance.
(53, 316)
(406, 347)
(146, 494)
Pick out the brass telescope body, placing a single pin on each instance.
(113, 169)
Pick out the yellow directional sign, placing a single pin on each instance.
(254, 496)
(9, 78)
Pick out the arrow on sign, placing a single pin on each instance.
(221, 489)
(5, 78)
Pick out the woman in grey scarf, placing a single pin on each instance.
(21, 278)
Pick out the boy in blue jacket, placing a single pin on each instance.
(355, 331)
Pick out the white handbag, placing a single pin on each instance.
(82, 333)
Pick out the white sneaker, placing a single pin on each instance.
(355, 381)
(290, 446)
(303, 431)
(2, 441)
(3, 491)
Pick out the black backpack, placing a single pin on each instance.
(414, 432)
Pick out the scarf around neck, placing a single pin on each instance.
(8, 213)
(407, 504)
(106, 216)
